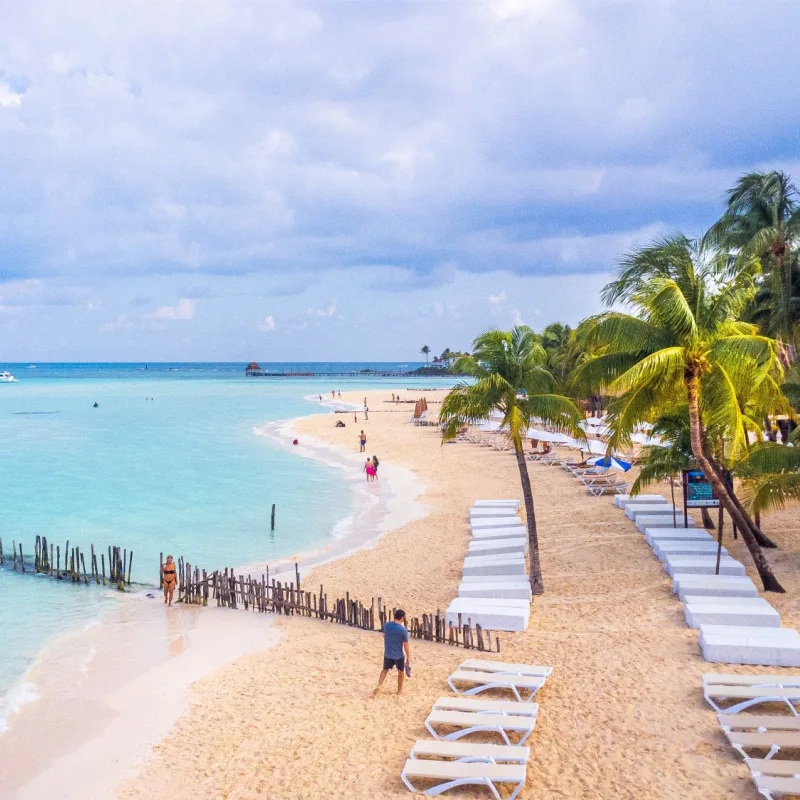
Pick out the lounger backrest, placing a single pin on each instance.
(715, 679)
(423, 768)
(780, 738)
(523, 681)
(483, 665)
(456, 703)
(745, 692)
(772, 722)
(468, 719)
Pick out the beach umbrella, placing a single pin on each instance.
(609, 462)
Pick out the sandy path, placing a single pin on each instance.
(622, 716)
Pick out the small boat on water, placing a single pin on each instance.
(7, 377)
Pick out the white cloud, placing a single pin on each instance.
(322, 312)
(8, 97)
(516, 317)
(267, 324)
(497, 299)
(184, 310)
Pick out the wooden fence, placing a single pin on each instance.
(47, 561)
(226, 588)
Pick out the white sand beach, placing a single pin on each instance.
(622, 716)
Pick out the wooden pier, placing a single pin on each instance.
(47, 561)
(228, 589)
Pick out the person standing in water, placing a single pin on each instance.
(170, 578)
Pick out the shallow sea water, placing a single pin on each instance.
(169, 461)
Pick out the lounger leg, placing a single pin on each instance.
(432, 731)
(774, 749)
(410, 786)
(517, 790)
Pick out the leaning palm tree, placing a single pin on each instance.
(685, 345)
(762, 220)
(510, 377)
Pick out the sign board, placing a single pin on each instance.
(697, 490)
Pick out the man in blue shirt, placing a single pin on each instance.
(395, 650)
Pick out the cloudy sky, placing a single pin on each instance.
(228, 180)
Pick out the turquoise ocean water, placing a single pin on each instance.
(182, 472)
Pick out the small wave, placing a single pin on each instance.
(88, 660)
(343, 528)
(32, 413)
(10, 703)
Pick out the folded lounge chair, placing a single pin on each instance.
(450, 774)
(482, 681)
(733, 644)
(467, 722)
(623, 499)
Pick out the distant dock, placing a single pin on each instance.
(253, 370)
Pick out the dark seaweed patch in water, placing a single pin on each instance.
(31, 413)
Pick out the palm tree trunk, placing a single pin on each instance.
(768, 579)
(537, 585)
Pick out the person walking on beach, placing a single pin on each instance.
(366, 413)
(395, 651)
(370, 470)
(170, 580)
(363, 440)
(375, 463)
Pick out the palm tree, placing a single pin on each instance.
(425, 350)
(686, 346)
(503, 364)
(762, 220)
(558, 341)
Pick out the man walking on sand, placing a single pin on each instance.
(395, 651)
(363, 440)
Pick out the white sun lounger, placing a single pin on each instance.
(682, 548)
(748, 696)
(489, 565)
(450, 774)
(482, 523)
(775, 778)
(470, 751)
(454, 702)
(482, 681)
(505, 667)
(717, 585)
(728, 644)
(635, 510)
(492, 511)
(655, 536)
(494, 546)
(752, 611)
(764, 679)
(490, 534)
(702, 565)
(490, 613)
(622, 500)
(647, 521)
(770, 740)
(468, 722)
(488, 588)
(496, 504)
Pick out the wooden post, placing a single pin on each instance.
(14, 550)
(272, 521)
(58, 562)
(85, 576)
(297, 574)
(1, 550)
(130, 566)
(160, 573)
(103, 565)
(21, 558)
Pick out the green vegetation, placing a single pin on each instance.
(700, 340)
(510, 376)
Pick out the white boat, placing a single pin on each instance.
(7, 377)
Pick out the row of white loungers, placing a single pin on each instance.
(736, 625)
(494, 591)
(450, 762)
(760, 734)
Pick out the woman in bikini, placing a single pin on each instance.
(370, 470)
(170, 577)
